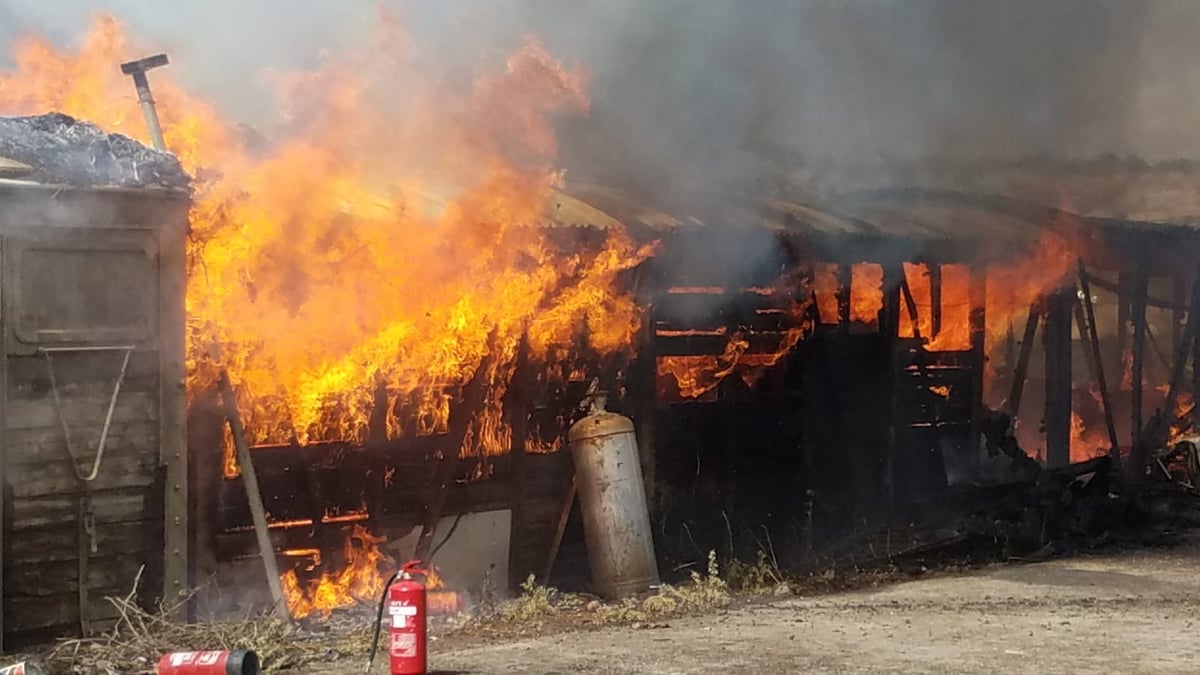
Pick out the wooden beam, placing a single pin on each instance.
(935, 299)
(1021, 372)
(978, 327)
(1093, 338)
(1058, 377)
(564, 514)
(253, 496)
(845, 283)
(1141, 282)
(889, 329)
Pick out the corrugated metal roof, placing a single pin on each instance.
(882, 214)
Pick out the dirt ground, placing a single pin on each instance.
(1129, 612)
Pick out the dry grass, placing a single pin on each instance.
(139, 638)
(537, 601)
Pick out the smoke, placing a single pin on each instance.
(693, 95)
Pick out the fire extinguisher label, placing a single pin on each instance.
(402, 610)
(404, 644)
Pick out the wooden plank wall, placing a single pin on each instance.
(236, 583)
(42, 499)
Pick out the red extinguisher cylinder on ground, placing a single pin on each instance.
(406, 622)
(236, 662)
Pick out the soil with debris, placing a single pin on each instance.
(66, 151)
(1122, 612)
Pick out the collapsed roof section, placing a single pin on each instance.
(62, 150)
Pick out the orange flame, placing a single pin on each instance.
(695, 376)
(361, 580)
(383, 236)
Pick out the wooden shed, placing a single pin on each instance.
(92, 444)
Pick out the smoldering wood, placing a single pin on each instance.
(1093, 338)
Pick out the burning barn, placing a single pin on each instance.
(394, 314)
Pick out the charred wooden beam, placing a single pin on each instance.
(978, 327)
(1140, 286)
(1093, 338)
(253, 496)
(845, 283)
(1021, 372)
(1058, 377)
(911, 305)
(564, 514)
(935, 300)
(889, 328)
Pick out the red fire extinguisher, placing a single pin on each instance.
(236, 662)
(406, 620)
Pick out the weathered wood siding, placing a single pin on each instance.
(84, 269)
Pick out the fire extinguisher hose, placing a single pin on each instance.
(379, 619)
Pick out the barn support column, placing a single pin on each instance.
(1059, 312)
(978, 326)
(1141, 283)
(889, 329)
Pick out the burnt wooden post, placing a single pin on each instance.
(1195, 365)
(1178, 298)
(1021, 372)
(889, 329)
(1141, 282)
(978, 327)
(1093, 338)
(845, 282)
(935, 299)
(1058, 377)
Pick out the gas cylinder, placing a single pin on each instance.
(612, 498)
(236, 662)
(406, 627)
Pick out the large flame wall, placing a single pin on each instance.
(387, 235)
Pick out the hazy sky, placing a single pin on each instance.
(708, 83)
